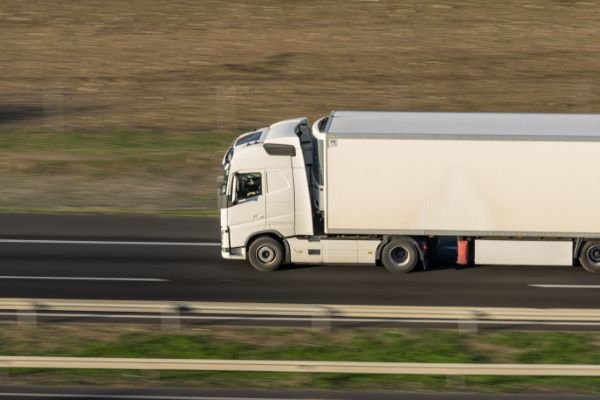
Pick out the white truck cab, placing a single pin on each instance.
(383, 187)
(265, 193)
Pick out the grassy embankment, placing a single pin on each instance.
(113, 172)
(399, 345)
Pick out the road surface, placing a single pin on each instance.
(159, 258)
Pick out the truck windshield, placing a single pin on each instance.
(249, 139)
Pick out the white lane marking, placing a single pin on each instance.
(82, 278)
(551, 286)
(108, 242)
(126, 396)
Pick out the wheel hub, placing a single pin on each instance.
(265, 254)
(594, 254)
(398, 256)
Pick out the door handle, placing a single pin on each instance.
(258, 216)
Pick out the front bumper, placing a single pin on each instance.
(235, 253)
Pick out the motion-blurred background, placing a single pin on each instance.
(128, 106)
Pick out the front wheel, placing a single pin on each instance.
(265, 254)
(399, 255)
(590, 256)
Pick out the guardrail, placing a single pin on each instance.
(301, 366)
(321, 316)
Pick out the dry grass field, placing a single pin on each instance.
(209, 68)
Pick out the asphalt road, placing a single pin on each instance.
(177, 271)
(20, 392)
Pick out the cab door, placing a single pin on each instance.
(280, 201)
(246, 215)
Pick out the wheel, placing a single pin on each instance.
(265, 254)
(399, 255)
(590, 256)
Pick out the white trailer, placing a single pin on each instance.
(382, 187)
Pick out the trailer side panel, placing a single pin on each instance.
(462, 186)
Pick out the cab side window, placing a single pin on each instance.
(248, 185)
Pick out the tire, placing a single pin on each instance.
(265, 254)
(399, 256)
(590, 256)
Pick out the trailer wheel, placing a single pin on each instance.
(590, 256)
(265, 254)
(399, 255)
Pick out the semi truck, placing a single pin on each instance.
(382, 188)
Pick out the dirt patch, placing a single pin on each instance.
(495, 353)
(277, 337)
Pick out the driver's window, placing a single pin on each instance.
(248, 185)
